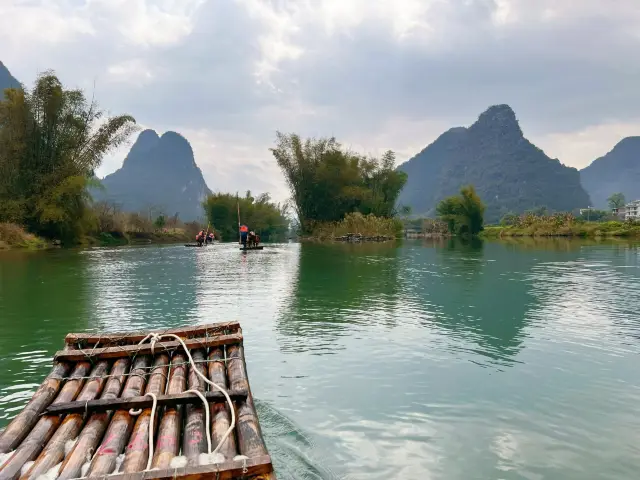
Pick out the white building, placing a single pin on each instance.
(632, 210)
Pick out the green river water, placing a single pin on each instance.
(423, 360)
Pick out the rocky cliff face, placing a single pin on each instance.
(509, 173)
(617, 171)
(159, 173)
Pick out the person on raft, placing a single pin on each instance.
(244, 231)
(210, 238)
(200, 238)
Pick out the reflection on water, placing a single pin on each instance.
(337, 289)
(432, 359)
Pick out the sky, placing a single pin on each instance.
(376, 74)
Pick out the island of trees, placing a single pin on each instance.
(335, 192)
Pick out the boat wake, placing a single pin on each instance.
(294, 454)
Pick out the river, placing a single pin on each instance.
(423, 360)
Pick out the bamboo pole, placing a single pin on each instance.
(53, 453)
(250, 441)
(22, 424)
(220, 413)
(44, 428)
(119, 430)
(194, 441)
(168, 445)
(137, 452)
(96, 425)
(236, 368)
(90, 339)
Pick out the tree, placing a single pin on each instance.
(160, 222)
(261, 215)
(327, 182)
(51, 142)
(509, 219)
(540, 211)
(616, 200)
(464, 213)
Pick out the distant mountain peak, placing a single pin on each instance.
(6, 79)
(632, 143)
(499, 119)
(159, 171)
(148, 137)
(617, 171)
(509, 173)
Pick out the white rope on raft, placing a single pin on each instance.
(155, 337)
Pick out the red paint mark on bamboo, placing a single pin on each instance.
(105, 449)
(138, 443)
(196, 437)
(166, 441)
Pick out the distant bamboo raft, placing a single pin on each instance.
(83, 421)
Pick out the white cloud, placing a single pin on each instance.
(146, 23)
(134, 71)
(39, 22)
(579, 148)
(377, 75)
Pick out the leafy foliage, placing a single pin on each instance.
(51, 141)
(616, 200)
(327, 182)
(266, 218)
(464, 213)
(160, 222)
(593, 215)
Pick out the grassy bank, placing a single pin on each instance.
(356, 223)
(574, 229)
(14, 236)
(114, 238)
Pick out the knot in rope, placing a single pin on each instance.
(154, 338)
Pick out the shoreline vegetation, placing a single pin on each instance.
(578, 230)
(266, 218)
(14, 236)
(355, 228)
(52, 140)
(337, 194)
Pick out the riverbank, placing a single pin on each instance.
(105, 239)
(13, 236)
(578, 229)
(355, 227)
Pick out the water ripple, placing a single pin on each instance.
(439, 360)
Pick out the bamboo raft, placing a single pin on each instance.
(245, 249)
(91, 417)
